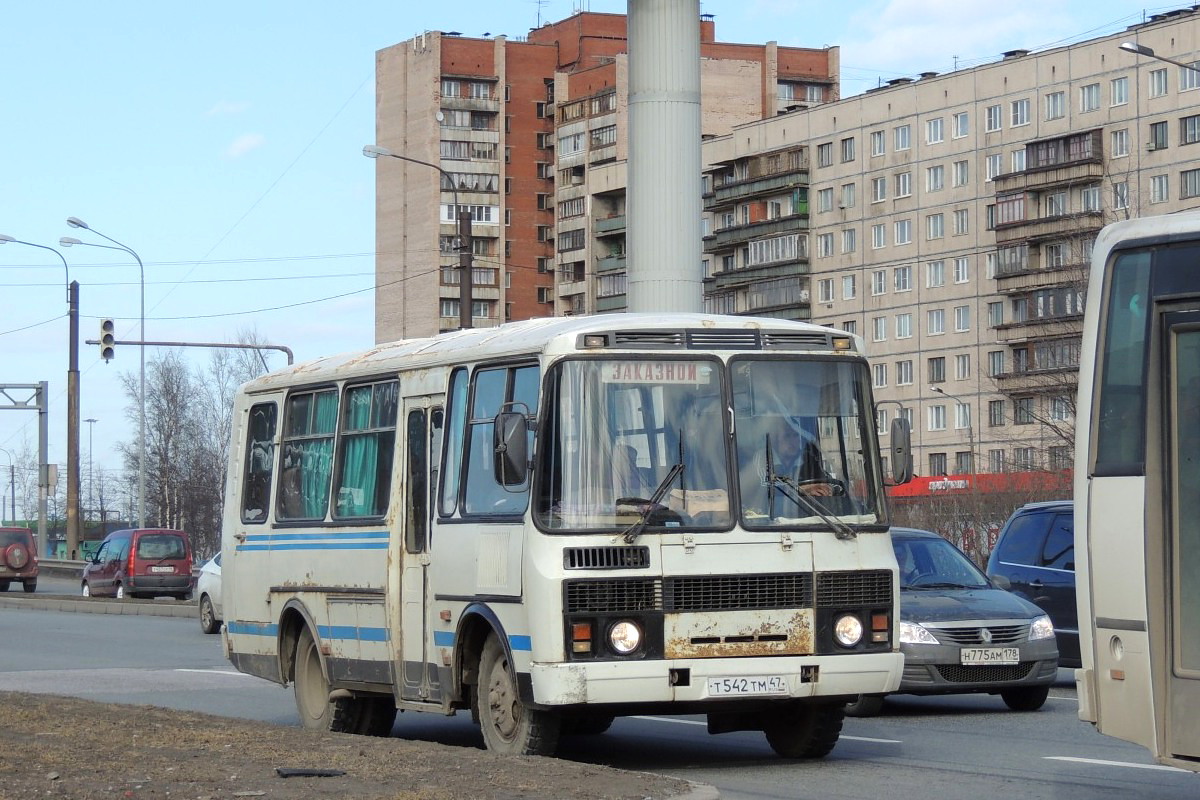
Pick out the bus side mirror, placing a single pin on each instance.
(511, 456)
(902, 463)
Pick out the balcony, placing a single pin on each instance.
(1019, 281)
(1033, 380)
(610, 263)
(1041, 328)
(731, 278)
(742, 234)
(1044, 228)
(609, 225)
(471, 104)
(734, 192)
(1058, 176)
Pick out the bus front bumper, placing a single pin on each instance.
(715, 679)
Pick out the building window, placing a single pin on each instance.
(937, 422)
(903, 184)
(878, 236)
(1120, 195)
(992, 118)
(937, 369)
(601, 137)
(903, 278)
(824, 200)
(935, 178)
(936, 321)
(847, 150)
(961, 221)
(962, 269)
(1056, 204)
(1189, 181)
(1023, 411)
(850, 326)
(881, 424)
(995, 314)
(962, 367)
(1158, 189)
(1089, 198)
(1089, 97)
(878, 143)
(878, 190)
(1120, 143)
(962, 318)
(849, 240)
(1020, 112)
(1060, 457)
(825, 154)
(996, 461)
(903, 231)
(994, 165)
(961, 172)
(933, 131)
(1023, 458)
(879, 375)
(995, 413)
(1018, 160)
(962, 125)
(1118, 91)
(902, 137)
(570, 144)
(904, 373)
(962, 415)
(1056, 105)
(1189, 129)
(964, 462)
(995, 363)
(571, 240)
(935, 226)
(904, 326)
(1060, 409)
(1158, 136)
(824, 245)
(878, 329)
(879, 282)
(1189, 77)
(849, 287)
(935, 274)
(1158, 82)
(937, 462)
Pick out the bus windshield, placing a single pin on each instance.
(646, 442)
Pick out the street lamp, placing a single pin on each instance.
(1142, 50)
(464, 232)
(72, 407)
(67, 241)
(970, 426)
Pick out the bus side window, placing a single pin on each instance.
(495, 390)
(260, 462)
(436, 421)
(418, 468)
(455, 429)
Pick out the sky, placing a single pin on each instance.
(222, 142)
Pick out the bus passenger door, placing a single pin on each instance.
(1182, 484)
(422, 448)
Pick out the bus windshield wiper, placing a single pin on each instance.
(793, 492)
(654, 503)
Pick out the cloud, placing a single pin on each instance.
(225, 107)
(244, 144)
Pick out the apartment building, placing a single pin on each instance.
(531, 136)
(948, 220)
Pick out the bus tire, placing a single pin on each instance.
(1026, 698)
(510, 727)
(365, 716)
(804, 730)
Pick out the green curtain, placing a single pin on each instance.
(316, 462)
(360, 461)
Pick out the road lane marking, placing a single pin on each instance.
(215, 672)
(705, 724)
(1104, 763)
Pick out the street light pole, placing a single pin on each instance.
(91, 421)
(75, 222)
(72, 394)
(970, 429)
(1142, 50)
(12, 485)
(465, 245)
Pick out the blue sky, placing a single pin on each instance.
(222, 142)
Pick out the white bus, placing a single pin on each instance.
(1137, 488)
(556, 522)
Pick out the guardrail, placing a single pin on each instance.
(72, 567)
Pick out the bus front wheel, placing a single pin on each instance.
(805, 731)
(509, 726)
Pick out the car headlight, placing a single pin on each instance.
(624, 637)
(1041, 628)
(912, 633)
(848, 630)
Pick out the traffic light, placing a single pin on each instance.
(108, 339)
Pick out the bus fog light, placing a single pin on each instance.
(848, 630)
(624, 637)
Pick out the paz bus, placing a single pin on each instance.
(556, 522)
(1137, 488)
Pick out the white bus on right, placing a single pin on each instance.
(1137, 488)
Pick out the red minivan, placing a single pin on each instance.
(141, 562)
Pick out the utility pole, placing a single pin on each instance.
(465, 253)
(72, 544)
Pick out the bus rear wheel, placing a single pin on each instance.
(805, 731)
(509, 726)
(367, 716)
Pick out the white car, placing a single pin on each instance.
(208, 589)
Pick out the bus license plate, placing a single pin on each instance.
(1003, 656)
(162, 569)
(747, 685)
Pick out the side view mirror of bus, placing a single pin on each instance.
(902, 462)
(510, 448)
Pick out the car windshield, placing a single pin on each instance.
(928, 563)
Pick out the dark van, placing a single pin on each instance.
(1035, 558)
(141, 562)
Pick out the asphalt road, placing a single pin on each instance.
(942, 748)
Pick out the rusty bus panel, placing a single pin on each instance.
(716, 634)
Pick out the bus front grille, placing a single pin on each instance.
(852, 589)
(690, 593)
(627, 557)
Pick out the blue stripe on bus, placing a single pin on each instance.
(279, 537)
(241, 548)
(446, 639)
(520, 642)
(443, 638)
(252, 628)
(352, 632)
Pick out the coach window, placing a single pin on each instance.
(436, 420)
(418, 467)
(366, 446)
(260, 462)
(455, 427)
(496, 390)
(307, 462)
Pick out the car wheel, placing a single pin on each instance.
(86, 591)
(867, 705)
(30, 587)
(1027, 698)
(208, 618)
(509, 726)
(4, 586)
(805, 731)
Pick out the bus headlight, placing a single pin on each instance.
(624, 637)
(848, 630)
(1041, 628)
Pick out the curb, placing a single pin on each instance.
(698, 791)
(97, 605)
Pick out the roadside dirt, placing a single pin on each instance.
(62, 747)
